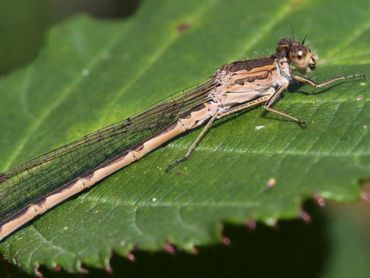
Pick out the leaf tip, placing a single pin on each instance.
(319, 200)
(226, 241)
(169, 248)
(193, 250)
(271, 222)
(129, 256)
(305, 216)
(57, 268)
(108, 269)
(250, 224)
(37, 271)
(80, 268)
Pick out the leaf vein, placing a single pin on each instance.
(50, 243)
(59, 100)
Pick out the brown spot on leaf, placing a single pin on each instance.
(182, 27)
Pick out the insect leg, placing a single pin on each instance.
(244, 106)
(194, 144)
(273, 99)
(327, 82)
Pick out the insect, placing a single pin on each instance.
(36, 186)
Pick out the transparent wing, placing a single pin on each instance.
(39, 177)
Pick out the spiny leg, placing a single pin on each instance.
(194, 144)
(273, 99)
(327, 82)
(300, 122)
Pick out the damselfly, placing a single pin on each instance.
(34, 187)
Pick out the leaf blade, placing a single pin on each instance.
(141, 206)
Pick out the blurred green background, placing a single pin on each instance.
(335, 244)
(23, 24)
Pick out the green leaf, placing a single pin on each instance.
(332, 245)
(93, 73)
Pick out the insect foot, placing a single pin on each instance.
(302, 123)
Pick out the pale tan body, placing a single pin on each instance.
(238, 90)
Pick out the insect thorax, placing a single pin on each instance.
(243, 81)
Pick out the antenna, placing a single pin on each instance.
(304, 38)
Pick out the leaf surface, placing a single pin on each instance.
(93, 73)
